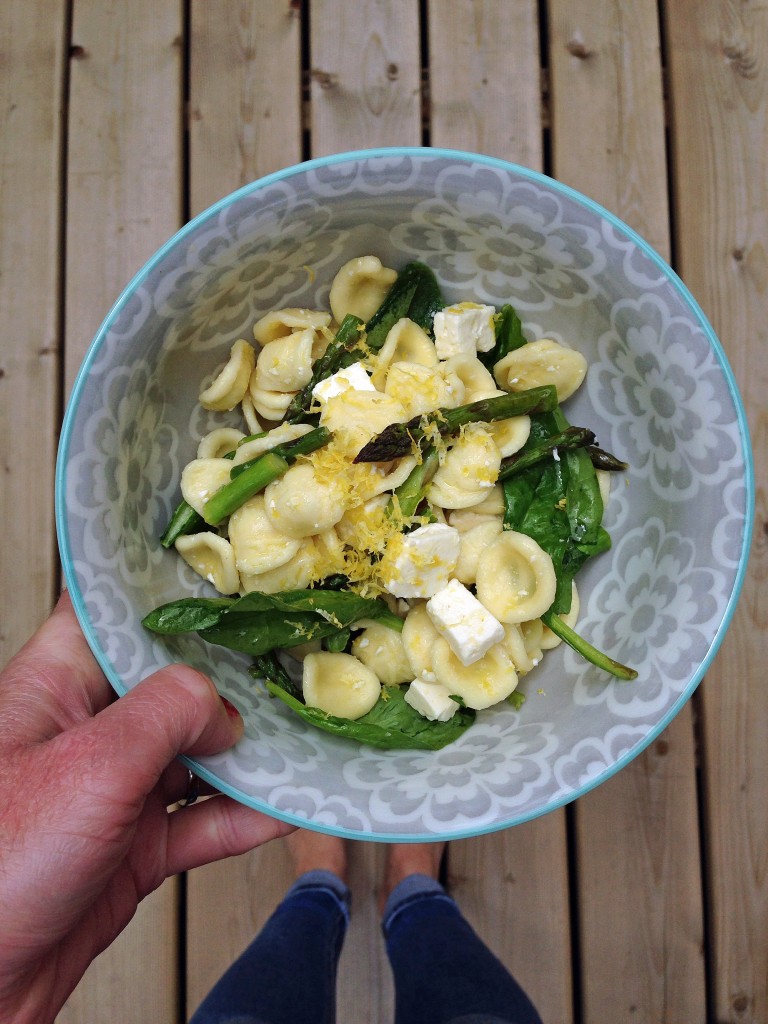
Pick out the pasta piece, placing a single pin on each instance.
(548, 638)
(514, 642)
(473, 543)
(228, 387)
(464, 519)
(406, 342)
(339, 684)
(378, 477)
(478, 382)
(381, 649)
(419, 636)
(201, 478)
(422, 388)
(249, 415)
(212, 557)
(360, 287)
(355, 416)
(278, 435)
(258, 546)
(270, 405)
(299, 505)
(532, 632)
(515, 578)
(469, 471)
(492, 504)
(604, 481)
(219, 443)
(295, 574)
(510, 435)
(542, 362)
(280, 323)
(480, 685)
(286, 364)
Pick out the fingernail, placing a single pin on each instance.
(230, 708)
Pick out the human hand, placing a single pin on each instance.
(85, 783)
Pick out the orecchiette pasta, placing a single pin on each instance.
(286, 364)
(212, 558)
(485, 682)
(332, 522)
(229, 386)
(281, 322)
(469, 471)
(299, 505)
(382, 650)
(515, 578)
(258, 546)
(542, 362)
(339, 684)
(360, 287)
(406, 342)
(201, 478)
(219, 443)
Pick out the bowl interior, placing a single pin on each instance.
(659, 393)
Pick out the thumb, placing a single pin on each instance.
(177, 710)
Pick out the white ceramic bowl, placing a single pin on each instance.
(659, 394)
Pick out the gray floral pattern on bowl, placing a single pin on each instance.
(659, 393)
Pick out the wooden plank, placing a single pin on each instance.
(719, 113)
(124, 200)
(245, 94)
(512, 886)
(245, 121)
(638, 861)
(485, 79)
(365, 75)
(31, 98)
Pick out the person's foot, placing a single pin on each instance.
(404, 859)
(315, 850)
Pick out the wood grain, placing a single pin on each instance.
(365, 75)
(719, 115)
(485, 89)
(639, 886)
(31, 100)
(485, 78)
(124, 199)
(245, 94)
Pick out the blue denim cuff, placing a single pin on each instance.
(409, 891)
(320, 880)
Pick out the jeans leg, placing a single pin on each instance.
(444, 974)
(288, 973)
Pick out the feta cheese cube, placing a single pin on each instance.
(464, 330)
(352, 377)
(420, 563)
(466, 624)
(431, 700)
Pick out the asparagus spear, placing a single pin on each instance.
(410, 493)
(254, 476)
(573, 437)
(585, 649)
(398, 439)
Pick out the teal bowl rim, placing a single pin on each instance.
(463, 157)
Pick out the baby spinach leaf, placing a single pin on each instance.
(391, 724)
(257, 623)
(509, 336)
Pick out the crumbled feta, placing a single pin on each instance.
(420, 563)
(466, 624)
(431, 700)
(352, 378)
(464, 330)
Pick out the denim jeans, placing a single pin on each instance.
(443, 973)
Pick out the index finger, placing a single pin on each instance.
(54, 681)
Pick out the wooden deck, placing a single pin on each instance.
(646, 901)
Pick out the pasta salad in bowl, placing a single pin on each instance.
(405, 541)
(434, 466)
